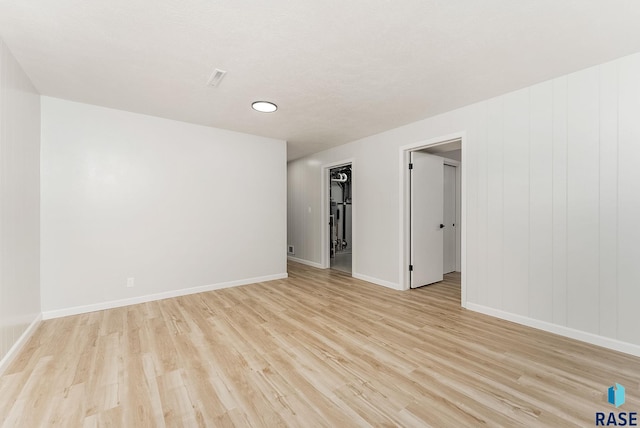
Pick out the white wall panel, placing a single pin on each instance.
(559, 230)
(516, 201)
(608, 251)
(495, 202)
(19, 202)
(541, 203)
(482, 255)
(472, 225)
(583, 174)
(629, 200)
(173, 205)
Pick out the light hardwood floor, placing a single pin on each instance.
(316, 349)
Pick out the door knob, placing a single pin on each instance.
(441, 226)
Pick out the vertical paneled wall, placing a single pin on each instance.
(563, 199)
(494, 281)
(19, 201)
(608, 199)
(516, 200)
(627, 284)
(583, 171)
(559, 202)
(540, 202)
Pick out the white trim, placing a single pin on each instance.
(324, 211)
(57, 313)
(594, 339)
(463, 220)
(8, 358)
(306, 262)
(377, 281)
(403, 192)
(459, 187)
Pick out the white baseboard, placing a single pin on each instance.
(594, 339)
(377, 281)
(370, 279)
(305, 262)
(22, 340)
(57, 313)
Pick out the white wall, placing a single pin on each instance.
(552, 185)
(19, 205)
(175, 206)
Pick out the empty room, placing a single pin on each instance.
(248, 213)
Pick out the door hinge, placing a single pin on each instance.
(410, 268)
(410, 166)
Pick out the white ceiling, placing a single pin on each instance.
(339, 70)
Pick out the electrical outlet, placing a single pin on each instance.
(130, 282)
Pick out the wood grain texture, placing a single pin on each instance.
(317, 349)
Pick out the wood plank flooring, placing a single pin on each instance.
(317, 349)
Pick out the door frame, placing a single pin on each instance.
(405, 211)
(325, 169)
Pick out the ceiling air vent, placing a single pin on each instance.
(216, 77)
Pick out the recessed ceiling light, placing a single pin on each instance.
(264, 106)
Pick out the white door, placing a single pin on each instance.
(449, 222)
(426, 219)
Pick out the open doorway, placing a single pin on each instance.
(432, 212)
(434, 204)
(340, 218)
